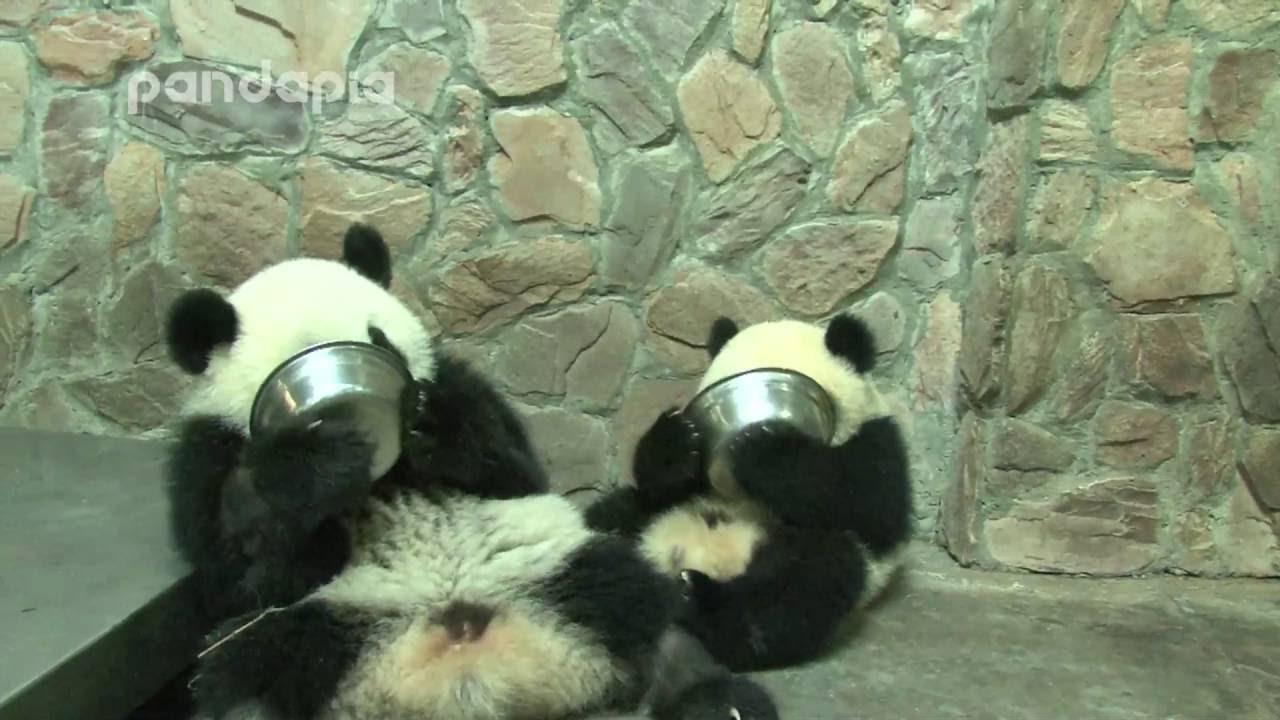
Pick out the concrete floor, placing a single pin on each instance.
(946, 643)
(956, 643)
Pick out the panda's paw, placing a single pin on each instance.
(668, 460)
(723, 697)
(767, 450)
(310, 472)
(700, 590)
(676, 433)
(320, 440)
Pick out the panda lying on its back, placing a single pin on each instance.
(460, 609)
(452, 588)
(779, 546)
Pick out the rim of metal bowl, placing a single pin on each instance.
(396, 361)
(826, 404)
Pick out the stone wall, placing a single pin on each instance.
(1052, 213)
(1118, 363)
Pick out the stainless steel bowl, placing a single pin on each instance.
(726, 408)
(351, 381)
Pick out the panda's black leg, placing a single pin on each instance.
(620, 512)
(724, 697)
(609, 590)
(467, 437)
(689, 684)
(289, 660)
(276, 579)
(786, 607)
(862, 485)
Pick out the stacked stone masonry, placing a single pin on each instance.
(1052, 213)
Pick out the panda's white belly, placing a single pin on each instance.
(412, 552)
(413, 560)
(715, 536)
(526, 666)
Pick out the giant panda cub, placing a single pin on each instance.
(790, 536)
(452, 588)
(259, 516)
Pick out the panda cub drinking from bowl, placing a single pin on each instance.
(453, 587)
(789, 535)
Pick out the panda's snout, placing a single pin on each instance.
(465, 622)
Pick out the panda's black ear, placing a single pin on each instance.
(850, 338)
(364, 251)
(199, 321)
(722, 331)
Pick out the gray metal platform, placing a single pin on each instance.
(94, 600)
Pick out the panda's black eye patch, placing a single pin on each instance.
(379, 338)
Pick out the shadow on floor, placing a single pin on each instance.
(173, 702)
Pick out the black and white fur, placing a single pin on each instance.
(258, 516)
(788, 538)
(452, 588)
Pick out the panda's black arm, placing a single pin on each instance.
(862, 485)
(207, 454)
(256, 520)
(668, 470)
(300, 477)
(467, 437)
(668, 465)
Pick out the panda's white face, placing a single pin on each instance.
(289, 307)
(800, 347)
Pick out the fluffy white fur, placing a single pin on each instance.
(681, 539)
(413, 557)
(294, 305)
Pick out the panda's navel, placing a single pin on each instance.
(465, 622)
(714, 517)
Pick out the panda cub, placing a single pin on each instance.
(454, 587)
(791, 535)
(259, 517)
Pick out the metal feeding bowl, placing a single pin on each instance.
(732, 405)
(354, 382)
